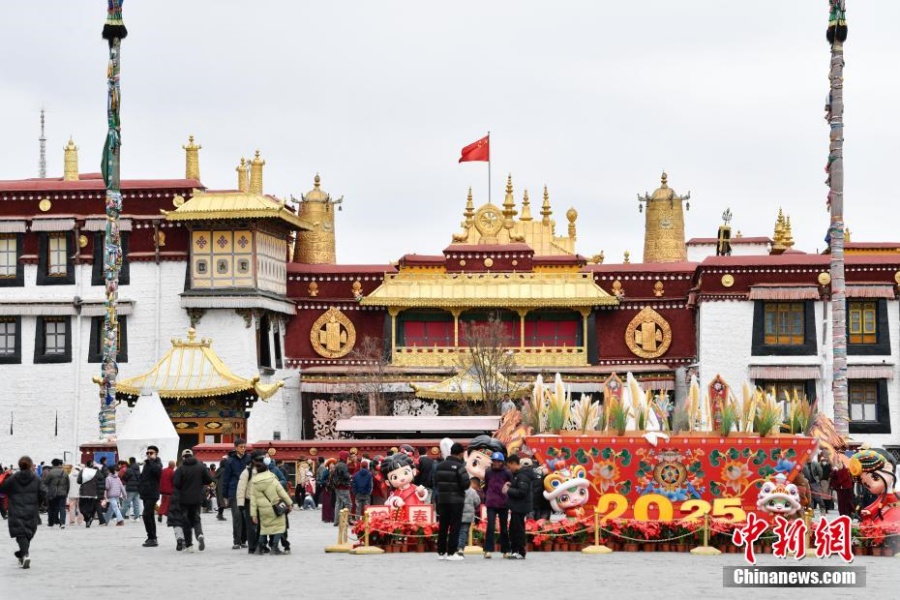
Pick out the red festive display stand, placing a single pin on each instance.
(686, 475)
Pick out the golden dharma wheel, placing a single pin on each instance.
(727, 280)
(824, 278)
(313, 451)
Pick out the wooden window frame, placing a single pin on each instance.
(881, 344)
(40, 342)
(95, 349)
(15, 357)
(761, 348)
(882, 424)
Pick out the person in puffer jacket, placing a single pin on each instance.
(115, 493)
(57, 483)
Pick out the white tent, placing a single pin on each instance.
(148, 424)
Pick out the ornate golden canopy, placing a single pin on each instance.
(466, 385)
(205, 206)
(191, 369)
(489, 290)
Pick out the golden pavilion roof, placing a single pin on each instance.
(191, 369)
(489, 290)
(466, 385)
(204, 206)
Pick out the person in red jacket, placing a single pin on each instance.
(166, 488)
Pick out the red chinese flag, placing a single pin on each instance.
(480, 150)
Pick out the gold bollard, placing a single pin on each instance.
(342, 544)
(807, 519)
(597, 547)
(471, 548)
(705, 549)
(366, 548)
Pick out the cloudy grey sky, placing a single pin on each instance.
(593, 98)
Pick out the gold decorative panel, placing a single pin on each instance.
(333, 334)
(449, 356)
(649, 334)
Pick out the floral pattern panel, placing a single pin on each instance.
(325, 416)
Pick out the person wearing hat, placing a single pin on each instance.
(497, 480)
(191, 479)
(451, 480)
(876, 475)
(148, 488)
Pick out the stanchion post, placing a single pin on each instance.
(597, 547)
(807, 519)
(342, 544)
(471, 548)
(366, 548)
(705, 549)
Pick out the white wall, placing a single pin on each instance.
(725, 347)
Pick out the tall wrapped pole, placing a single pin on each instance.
(113, 32)
(837, 35)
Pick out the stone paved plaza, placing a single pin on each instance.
(109, 562)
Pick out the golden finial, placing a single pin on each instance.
(509, 204)
(846, 234)
(256, 174)
(191, 334)
(70, 162)
(778, 235)
(788, 234)
(598, 259)
(663, 180)
(738, 235)
(526, 208)
(571, 215)
(243, 178)
(191, 159)
(317, 181)
(470, 207)
(627, 257)
(545, 209)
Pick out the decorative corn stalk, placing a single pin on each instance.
(837, 35)
(113, 32)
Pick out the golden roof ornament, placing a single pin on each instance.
(627, 257)
(778, 236)
(243, 176)
(846, 235)
(256, 174)
(788, 233)
(70, 161)
(191, 159)
(545, 209)
(572, 215)
(470, 208)
(509, 204)
(526, 208)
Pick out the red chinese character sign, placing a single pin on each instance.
(686, 475)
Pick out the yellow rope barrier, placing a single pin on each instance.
(705, 549)
(342, 545)
(366, 549)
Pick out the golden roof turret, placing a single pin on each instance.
(317, 246)
(256, 174)
(788, 234)
(192, 159)
(526, 208)
(664, 223)
(243, 171)
(545, 209)
(70, 161)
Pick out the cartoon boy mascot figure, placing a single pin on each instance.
(478, 454)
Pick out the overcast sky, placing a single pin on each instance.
(593, 98)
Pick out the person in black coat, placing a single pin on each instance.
(451, 480)
(148, 488)
(519, 495)
(191, 479)
(25, 492)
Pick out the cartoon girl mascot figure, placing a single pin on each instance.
(877, 475)
(399, 471)
(478, 454)
(567, 489)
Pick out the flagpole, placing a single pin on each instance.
(489, 166)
